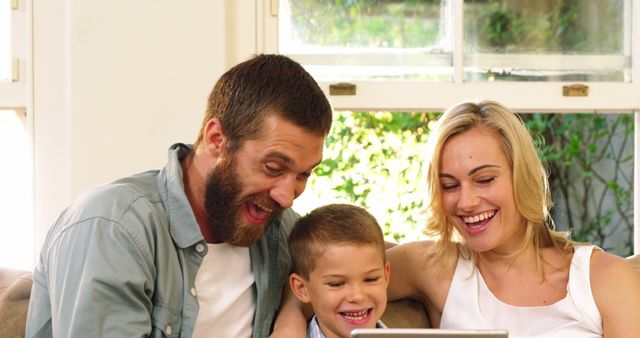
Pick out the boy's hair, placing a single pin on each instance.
(329, 225)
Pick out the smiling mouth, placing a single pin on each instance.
(480, 218)
(357, 316)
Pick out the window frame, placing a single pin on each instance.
(603, 97)
(13, 93)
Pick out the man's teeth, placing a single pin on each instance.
(478, 218)
(356, 315)
(260, 206)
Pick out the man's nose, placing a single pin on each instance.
(284, 191)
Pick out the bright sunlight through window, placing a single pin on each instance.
(16, 231)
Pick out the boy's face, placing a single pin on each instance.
(347, 288)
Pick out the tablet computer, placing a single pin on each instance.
(427, 333)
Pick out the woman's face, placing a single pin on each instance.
(477, 191)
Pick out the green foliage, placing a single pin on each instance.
(557, 26)
(366, 23)
(590, 163)
(375, 159)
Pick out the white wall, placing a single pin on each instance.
(116, 82)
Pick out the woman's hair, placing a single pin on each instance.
(530, 184)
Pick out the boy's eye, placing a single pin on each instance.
(335, 284)
(372, 279)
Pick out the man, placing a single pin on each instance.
(198, 248)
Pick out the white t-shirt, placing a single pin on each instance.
(226, 293)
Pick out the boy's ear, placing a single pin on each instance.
(299, 287)
(215, 138)
(387, 272)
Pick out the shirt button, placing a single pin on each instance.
(168, 330)
(193, 292)
(200, 247)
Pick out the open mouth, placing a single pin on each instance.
(477, 224)
(257, 213)
(478, 219)
(357, 317)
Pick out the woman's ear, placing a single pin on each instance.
(299, 287)
(215, 139)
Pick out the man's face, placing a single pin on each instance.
(248, 188)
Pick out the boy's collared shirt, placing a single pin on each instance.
(314, 329)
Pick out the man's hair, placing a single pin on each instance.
(264, 85)
(330, 225)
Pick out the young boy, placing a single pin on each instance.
(339, 266)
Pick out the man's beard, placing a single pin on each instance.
(223, 206)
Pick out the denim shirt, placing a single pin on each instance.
(121, 261)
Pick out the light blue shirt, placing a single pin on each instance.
(121, 261)
(313, 331)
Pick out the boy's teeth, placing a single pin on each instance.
(356, 315)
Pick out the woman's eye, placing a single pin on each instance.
(486, 180)
(448, 186)
(372, 279)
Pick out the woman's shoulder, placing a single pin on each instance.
(615, 284)
(605, 265)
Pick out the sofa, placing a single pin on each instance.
(15, 288)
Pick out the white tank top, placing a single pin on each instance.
(471, 305)
(224, 287)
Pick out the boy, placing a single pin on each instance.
(340, 267)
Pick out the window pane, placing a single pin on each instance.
(372, 39)
(16, 229)
(550, 40)
(376, 159)
(5, 40)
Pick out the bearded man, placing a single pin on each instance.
(197, 249)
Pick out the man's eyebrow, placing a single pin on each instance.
(284, 157)
(288, 160)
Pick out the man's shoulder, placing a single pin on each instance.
(288, 220)
(114, 200)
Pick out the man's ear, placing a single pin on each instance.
(215, 139)
(299, 287)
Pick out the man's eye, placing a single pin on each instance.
(272, 169)
(335, 284)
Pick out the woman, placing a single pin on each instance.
(497, 262)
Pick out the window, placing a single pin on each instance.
(16, 228)
(552, 57)
(16, 196)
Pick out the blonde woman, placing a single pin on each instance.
(497, 263)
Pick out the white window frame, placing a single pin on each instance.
(400, 95)
(14, 94)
